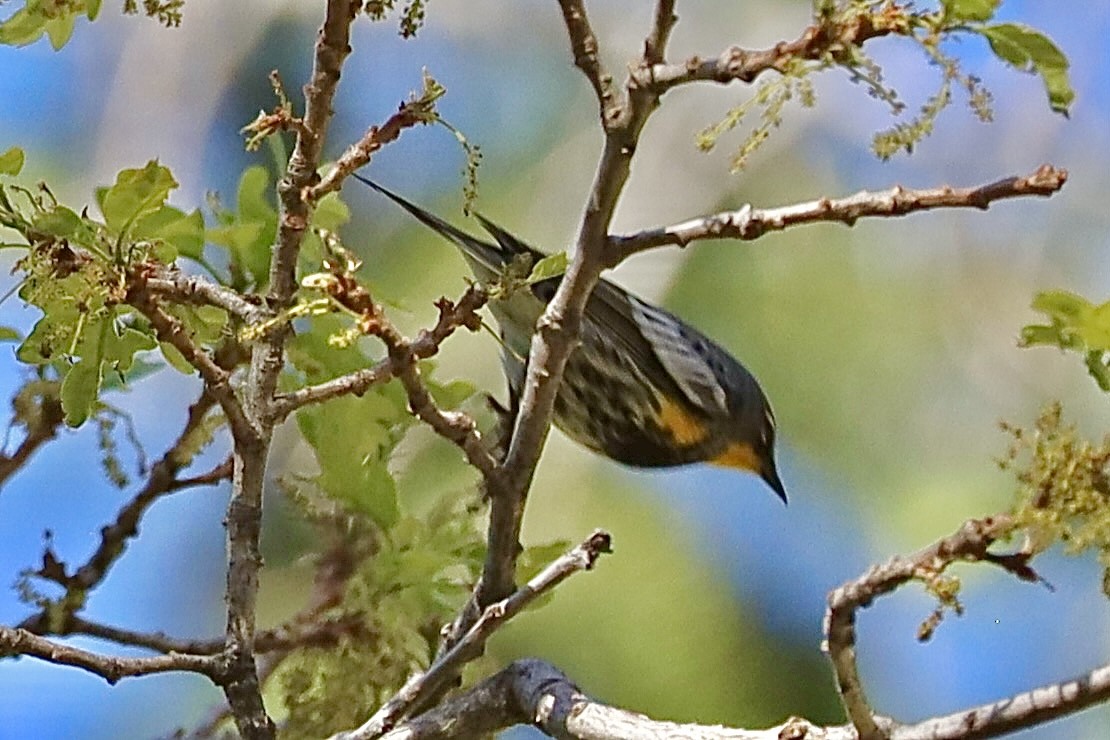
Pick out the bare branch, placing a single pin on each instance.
(217, 380)
(427, 343)
(743, 65)
(409, 114)
(583, 44)
(1016, 712)
(557, 331)
(536, 693)
(423, 685)
(161, 481)
(244, 515)
(971, 542)
(748, 223)
(111, 669)
(655, 46)
(42, 426)
(198, 289)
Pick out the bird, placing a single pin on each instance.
(643, 387)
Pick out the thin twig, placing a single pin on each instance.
(161, 480)
(748, 223)
(409, 114)
(427, 343)
(217, 380)
(656, 43)
(15, 641)
(446, 666)
(744, 65)
(584, 47)
(970, 543)
(41, 428)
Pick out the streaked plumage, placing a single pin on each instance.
(643, 388)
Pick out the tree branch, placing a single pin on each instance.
(557, 331)
(111, 669)
(748, 223)
(743, 65)
(420, 687)
(970, 543)
(252, 441)
(217, 380)
(42, 422)
(1017, 712)
(534, 692)
(161, 481)
(198, 289)
(427, 344)
(419, 110)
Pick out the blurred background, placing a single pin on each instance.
(888, 350)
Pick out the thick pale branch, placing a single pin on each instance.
(424, 685)
(1016, 712)
(750, 223)
(111, 669)
(536, 693)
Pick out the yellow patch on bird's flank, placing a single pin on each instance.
(685, 428)
(739, 455)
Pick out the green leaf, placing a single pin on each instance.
(1030, 50)
(60, 221)
(331, 212)
(254, 196)
(11, 161)
(92, 9)
(354, 470)
(1038, 334)
(23, 28)
(1097, 367)
(79, 391)
(175, 359)
(8, 334)
(120, 347)
(135, 193)
(60, 29)
(450, 395)
(549, 267)
(970, 10)
(250, 233)
(182, 231)
(1062, 305)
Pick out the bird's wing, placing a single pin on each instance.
(674, 345)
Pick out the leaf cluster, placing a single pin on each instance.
(418, 574)
(1063, 491)
(1019, 46)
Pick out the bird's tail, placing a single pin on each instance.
(482, 254)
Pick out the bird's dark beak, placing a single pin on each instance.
(770, 475)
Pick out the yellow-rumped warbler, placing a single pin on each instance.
(643, 388)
